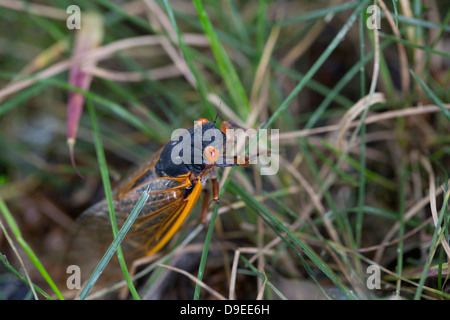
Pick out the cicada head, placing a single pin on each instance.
(194, 150)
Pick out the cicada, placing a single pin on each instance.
(174, 177)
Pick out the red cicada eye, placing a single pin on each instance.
(211, 154)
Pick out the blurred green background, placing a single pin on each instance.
(349, 195)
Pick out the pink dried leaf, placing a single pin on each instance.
(87, 38)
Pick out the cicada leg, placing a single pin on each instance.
(205, 205)
(215, 189)
(206, 197)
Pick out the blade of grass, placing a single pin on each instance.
(290, 239)
(394, 5)
(237, 22)
(109, 105)
(30, 253)
(362, 88)
(109, 198)
(156, 122)
(325, 159)
(261, 276)
(420, 23)
(13, 247)
(226, 68)
(21, 277)
(205, 252)
(362, 69)
(432, 95)
(372, 176)
(434, 241)
(361, 186)
(261, 24)
(401, 230)
(314, 85)
(22, 97)
(200, 81)
(324, 56)
(134, 19)
(114, 245)
(317, 14)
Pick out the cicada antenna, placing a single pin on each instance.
(217, 114)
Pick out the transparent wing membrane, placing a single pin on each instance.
(92, 236)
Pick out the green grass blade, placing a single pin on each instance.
(108, 193)
(317, 14)
(401, 230)
(415, 45)
(21, 97)
(30, 253)
(291, 240)
(337, 39)
(261, 276)
(420, 23)
(205, 251)
(200, 81)
(434, 241)
(114, 245)
(207, 242)
(226, 68)
(21, 277)
(432, 95)
(109, 106)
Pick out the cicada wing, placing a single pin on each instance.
(173, 221)
(148, 229)
(170, 207)
(93, 233)
(87, 243)
(145, 172)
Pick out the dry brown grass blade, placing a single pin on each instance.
(305, 43)
(415, 209)
(35, 8)
(403, 59)
(263, 63)
(314, 196)
(262, 287)
(353, 112)
(432, 193)
(259, 252)
(194, 279)
(405, 6)
(159, 73)
(162, 21)
(230, 115)
(259, 107)
(19, 258)
(43, 59)
(397, 240)
(48, 55)
(375, 118)
(99, 54)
